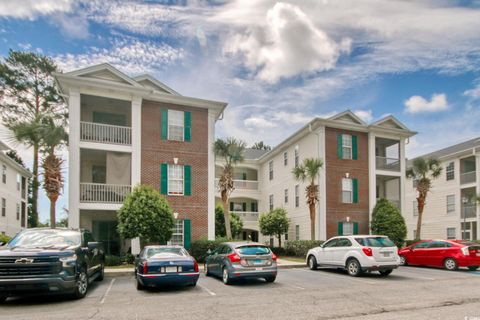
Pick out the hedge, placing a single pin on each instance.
(299, 248)
(199, 248)
(111, 261)
(4, 238)
(279, 251)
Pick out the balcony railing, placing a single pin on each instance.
(243, 184)
(469, 211)
(390, 164)
(468, 177)
(105, 133)
(247, 215)
(103, 193)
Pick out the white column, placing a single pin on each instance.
(321, 232)
(211, 176)
(477, 173)
(403, 164)
(372, 177)
(136, 140)
(74, 159)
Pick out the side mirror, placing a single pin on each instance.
(137, 256)
(2, 243)
(92, 245)
(411, 248)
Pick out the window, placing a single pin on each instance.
(18, 211)
(422, 245)
(99, 174)
(347, 190)
(331, 243)
(19, 179)
(175, 179)
(286, 195)
(177, 235)
(297, 160)
(450, 203)
(270, 170)
(451, 233)
(346, 146)
(4, 207)
(297, 232)
(348, 228)
(450, 170)
(270, 200)
(176, 125)
(4, 173)
(285, 158)
(343, 243)
(415, 208)
(414, 234)
(297, 196)
(24, 208)
(439, 244)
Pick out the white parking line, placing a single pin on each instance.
(108, 290)
(295, 287)
(207, 290)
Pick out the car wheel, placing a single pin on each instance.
(403, 260)
(81, 284)
(101, 273)
(312, 263)
(385, 272)
(270, 279)
(473, 268)
(225, 276)
(3, 299)
(139, 286)
(353, 267)
(193, 284)
(205, 269)
(450, 264)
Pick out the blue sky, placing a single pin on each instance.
(278, 64)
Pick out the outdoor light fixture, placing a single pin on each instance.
(348, 219)
(347, 175)
(175, 215)
(175, 160)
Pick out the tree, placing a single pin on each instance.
(15, 157)
(231, 150)
(309, 170)
(28, 92)
(261, 146)
(274, 223)
(236, 223)
(387, 220)
(145, 214)
(423, 171)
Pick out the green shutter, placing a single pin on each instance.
(187, 233)
(339, 146)
(164, 124)
(355, 228)
(354, 147)
(231, 206)
(187, 125)
(355, 190)
(187, 171)
(164, 178)
(340, 228)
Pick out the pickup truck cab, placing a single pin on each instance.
(43, 260)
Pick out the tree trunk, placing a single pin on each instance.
(35, 186)
(52, 213)
(312, 221)
(226, 215)
(280, 240)
(420, 206)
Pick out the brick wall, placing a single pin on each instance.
(335, 171)
(195, 153)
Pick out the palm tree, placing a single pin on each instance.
(231, 150)
(53, 136)
(260, 145)
(423, 171)
(309, 170)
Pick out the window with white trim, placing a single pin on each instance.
(286, 195)
(415, 208)
(19, 179)
(176, 123)
(451, 233)
(285, 158)
(450, 203)
(18, 211)
(175, 179)
(297, 196)
(4, 207)
(297, 232)
(450, 171)
(270, 170)
(347, 228)
(4, 173)
(177, 234)
(270, 201)
(347, 190)
(297, 157)
(346, 146)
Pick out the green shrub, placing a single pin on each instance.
(299, 248)
(127, 258)
(199, 248)
(4, 238)
(111, 261)
(279, 251)
(387, 220)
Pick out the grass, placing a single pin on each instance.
(294, 259)
(122, 266)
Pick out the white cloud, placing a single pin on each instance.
(365, 115)
(30, 9)
(416, 104)
(71, 26)
(258, 122)
(289, 44)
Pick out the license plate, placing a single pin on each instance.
(257, 262)
(170, 269)
(386, 254)
(258, 269)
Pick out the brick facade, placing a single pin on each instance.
(335, 170)
(194, 153)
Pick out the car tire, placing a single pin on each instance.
(226, 276)
(450, 264)
(354, 268)
(270, 279)
(473, 268)
(385, 272)
(193, 284)
(139, 286)
(101, 273)
(205, 269)
(312, 263)
(81, 284)
(403, 260)
(2, 299)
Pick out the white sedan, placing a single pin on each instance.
(356, 254)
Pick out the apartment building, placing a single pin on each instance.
(451, 211)
(127, 131)
(362, 163)
(13, 194)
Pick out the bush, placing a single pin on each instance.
(299, 248)
(274, 223)
(4, 238)
(127, 258)
(199, 248)
(387, 220)
(279, 251)
(111, 261)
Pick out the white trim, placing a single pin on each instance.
(211, 176)
(136, 147)
(155, 82)
(74, 160)
(348, 113)
(103, 67)
(103, 146)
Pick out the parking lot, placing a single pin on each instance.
(297, 294)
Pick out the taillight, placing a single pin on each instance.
(195, 265)
(465, 251)
(274, 257)
(368, 251)
(234, 257)
(145, 268)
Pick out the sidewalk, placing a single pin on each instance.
(281, 264)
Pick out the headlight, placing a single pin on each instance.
(69, 260)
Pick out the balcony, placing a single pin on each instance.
(103, 193)
(469, 211)
(389, 164)
(247, 216)
(243, 184)
(468, 177)
(105, 133)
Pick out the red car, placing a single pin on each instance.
(450, 254)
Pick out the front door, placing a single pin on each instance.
(325, 253)
(342, 247)
(419, 253)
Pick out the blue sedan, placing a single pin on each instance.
(165, 265)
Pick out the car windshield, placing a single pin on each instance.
(165, 252)
(46, 239)
(253, 250)
(375, 242)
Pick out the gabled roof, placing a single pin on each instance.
(252, 154)
(389, 122)
(104, 71)
(452, 150)
(349, 117)
(148, 81)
